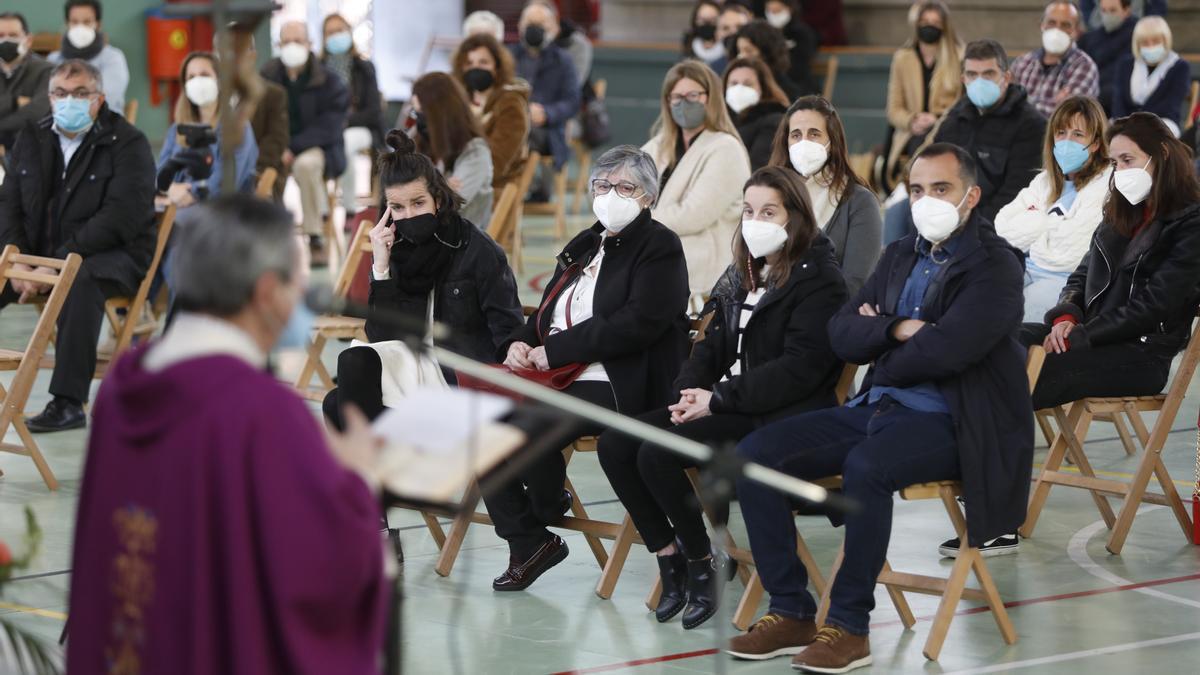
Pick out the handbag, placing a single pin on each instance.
(406, 371)
(594, 119)
(556, 378)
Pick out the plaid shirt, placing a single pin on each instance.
(1076, 72)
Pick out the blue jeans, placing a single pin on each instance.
(897, 222)
(878, 449)
(1042, 288)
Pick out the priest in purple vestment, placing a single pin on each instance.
(218, 530)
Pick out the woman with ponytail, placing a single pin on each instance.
(424, 252)
(765, 355)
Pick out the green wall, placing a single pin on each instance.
(125, 24)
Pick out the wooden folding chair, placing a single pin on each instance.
(969, 559)
(827, 68)
(503, 226)
(26, 362)
(131, 316)
(333, 327)
(335, 240)
(558, 206)
(265, 188)
(1073, 423)
(584, 153)
(131, 111)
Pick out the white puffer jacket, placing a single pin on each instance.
(1053, 242)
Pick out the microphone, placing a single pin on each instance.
(322, 300)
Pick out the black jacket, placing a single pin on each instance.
(970, 350)
(1143, 289)
(757, 125)
(1006, 141)
(323, 106)
(638, 328)
(788, 365)
(476, 299)
(106, 202)
(803, 42)
(366, 103)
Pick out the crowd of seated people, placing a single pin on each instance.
(1042, 200)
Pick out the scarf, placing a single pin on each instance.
(418, 267)
(70, 51)
(341, 65)
(1143, 83)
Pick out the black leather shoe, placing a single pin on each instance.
(673, 571)
(59, 415)
(520, 575)
(567, 500)
(702, 592)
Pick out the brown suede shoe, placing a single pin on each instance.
(771, 636)
(835, 650)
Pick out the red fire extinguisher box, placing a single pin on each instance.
(168, 41)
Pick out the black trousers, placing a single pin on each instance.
(359, 373)
(81, 320)
(1125, 369)
(522, 509)
(653, 486)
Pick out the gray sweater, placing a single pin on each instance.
(856, 230)
(474, 168)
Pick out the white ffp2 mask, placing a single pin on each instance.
(614, 211)
(936, 219)
(808, 157)
(763, 238)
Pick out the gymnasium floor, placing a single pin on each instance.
(1076, 608)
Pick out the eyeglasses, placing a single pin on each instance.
(690, 97)
(60, 94)
(624, 189)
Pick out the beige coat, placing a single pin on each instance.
(906, 94)
(702, 202)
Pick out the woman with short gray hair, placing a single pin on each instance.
(613, 315)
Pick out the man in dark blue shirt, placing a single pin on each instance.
(1109, 43)
(946, 398)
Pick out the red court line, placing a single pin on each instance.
(538, 283)
(963, 612)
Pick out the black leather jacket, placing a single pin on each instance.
(1145, 288)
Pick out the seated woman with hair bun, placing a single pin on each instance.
(425, 251)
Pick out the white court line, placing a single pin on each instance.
(1077, 550)
(1099, 651)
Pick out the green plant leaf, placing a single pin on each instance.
(29, 655)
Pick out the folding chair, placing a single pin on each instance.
(131, 316)
(503, 226)
(600, 87)
(26, 362)
(333, 327)
(131, 111)
(265, 188)
(743, 616)
(1073, 423)
(557, 207)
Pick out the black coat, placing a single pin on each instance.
(788, 364)
(757, 125)
(476, 299)
(1143, 289)
(105, 204)
(803, 42)
(366, 103)
(323, 105)
(1107, 49)
(639, 325)
(971, 352)
(1006, 141)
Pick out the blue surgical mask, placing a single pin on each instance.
(298, 330)
(339, 43)
(1070, 155)
(1153, 54)
(983, 92)
(72, 114)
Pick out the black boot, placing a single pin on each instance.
(674, 572)
(702, 592)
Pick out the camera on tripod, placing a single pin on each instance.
(195, 160)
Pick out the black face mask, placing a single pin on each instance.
(9, 51)
(478, 79)
(706, 32)
(929, 34)
(535, 36)
(731, 45)
(418, 229)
